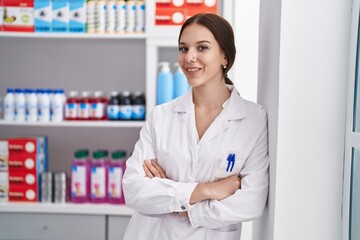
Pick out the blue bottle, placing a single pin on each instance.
(138, 106)
(165, 84)
(181, 85)
(125, 107)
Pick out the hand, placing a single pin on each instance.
(153, 169)
(216, 190)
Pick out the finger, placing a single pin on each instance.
(152, 169)
(160, 170)
(147, 171)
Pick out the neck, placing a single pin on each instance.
(211, 96)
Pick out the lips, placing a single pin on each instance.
(193, 69)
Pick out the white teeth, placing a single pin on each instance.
(193, 69)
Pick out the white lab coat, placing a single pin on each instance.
(236, 140)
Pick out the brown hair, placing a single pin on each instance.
(223, 33)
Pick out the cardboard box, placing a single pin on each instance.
(4, 155)
(28, 145)
(18, 15)
(24, 179)
(77, 16)
(60, 16)
(23, 194)
(4, 186)
(32, 163)
(43, 15)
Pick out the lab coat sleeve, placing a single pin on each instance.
(246, 203)
(156, 195)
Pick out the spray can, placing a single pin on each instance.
(181, 85)
(116, 171)
(80, 177)
(165, 84)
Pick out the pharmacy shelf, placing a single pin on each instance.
(124, 124)
(66, 208)
(73, 35)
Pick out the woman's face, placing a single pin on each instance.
(200, 56)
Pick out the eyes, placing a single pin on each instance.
(200, 48)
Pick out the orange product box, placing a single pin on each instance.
(34, 163)
(18, 15)
(23, 194)
(170, 16)
(192, 9)
(27, 145)
(169, 3)
(22, 178)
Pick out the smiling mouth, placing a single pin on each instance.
(193, 69)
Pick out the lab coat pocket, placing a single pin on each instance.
(143, 227)
(231, 164)
(232, 232)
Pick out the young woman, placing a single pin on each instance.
(200, 167)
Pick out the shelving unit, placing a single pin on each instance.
(100, 124)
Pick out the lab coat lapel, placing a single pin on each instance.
(185, 107)
(234, 110)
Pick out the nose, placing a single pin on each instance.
(190, 56)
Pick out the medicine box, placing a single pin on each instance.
(4, 186)
(28, 145)
(61, 16)
(4, 155)
(18, 15)
(77, 16)
(43, 15)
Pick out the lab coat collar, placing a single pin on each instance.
(233, 109)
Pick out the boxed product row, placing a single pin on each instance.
(45, 105)
(79, 16)
(23, 159)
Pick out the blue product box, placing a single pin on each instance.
(77, 16)
(42, 15)
(61, 16)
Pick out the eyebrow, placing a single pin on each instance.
(199, 42)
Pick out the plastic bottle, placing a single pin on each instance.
(84, 106)
(80, 177)
(72, 106)
(90, 16)
(140, 16)
(100, 16)
(57, 106)
(138, 106)
(20, 103)
(165, 84)
(1, 108)
(9, 105)
(116, 171)
(31, 106)
(98, 177)
(110, 16)
(113, 106)
(130, 16)
(120, 16)
(181, 85)
(44, 107)
(98, 104)
(125, 109)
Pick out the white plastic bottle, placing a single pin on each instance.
(120, 16)
(31, 106)
(9, 105)
(181, 85)
(100, 16)
(20, 105)
(110, 16)
(44, 107)
(140, 16)
(130, 16)
(57, 106)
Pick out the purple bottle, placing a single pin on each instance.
(116, 170)
(80, 177)
(98, 177)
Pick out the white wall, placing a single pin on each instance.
(302, 82)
